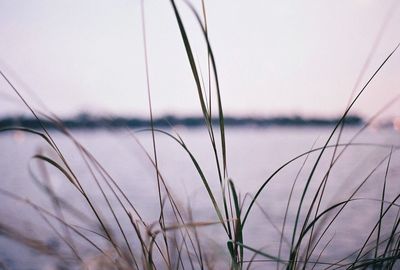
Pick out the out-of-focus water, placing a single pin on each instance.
(252, 156)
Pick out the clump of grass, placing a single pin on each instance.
(174, 240)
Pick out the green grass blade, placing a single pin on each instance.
(238, 225)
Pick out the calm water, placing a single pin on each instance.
(252, 156)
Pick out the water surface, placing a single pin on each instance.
(253, 154)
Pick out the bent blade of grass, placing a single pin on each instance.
(382, 214)
(322, 214)
(294, 252)
(351, 197)
(68, 172)
(29, 108)
(60, 168)
(29, 130)
(48, 138)
(107, 178)
(103, 172)
(80, 189)
(360, 75)
(57, 206)
(61, 156)
(388, 16)
(200, 172)
(284, 165)
(367, 124)
(53, 144)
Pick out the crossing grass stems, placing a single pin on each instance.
(176, 241)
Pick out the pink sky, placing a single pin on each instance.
(273, 57)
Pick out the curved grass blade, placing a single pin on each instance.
(200, 172)
(294, 252)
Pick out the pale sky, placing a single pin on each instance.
(273, 57)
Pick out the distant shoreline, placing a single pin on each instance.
(85, 121)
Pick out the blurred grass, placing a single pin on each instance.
(174, 240)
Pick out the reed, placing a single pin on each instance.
(176, 240)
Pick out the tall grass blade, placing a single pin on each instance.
(294, 252)
(381, 208)
(162, 219)
(238, 254)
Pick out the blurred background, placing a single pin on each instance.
(273, 57)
